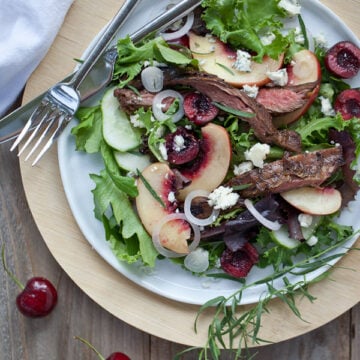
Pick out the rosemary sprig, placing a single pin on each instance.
(233, 329)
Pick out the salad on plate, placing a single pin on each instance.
(229, 145)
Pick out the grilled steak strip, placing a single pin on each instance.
(291, 172)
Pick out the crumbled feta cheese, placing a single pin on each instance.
(326, 107)
(257, 154)
(312, 240)
(279, 77)
(243, 61)
(223, 198)
(267, 39)
(171, 197)
(299, 36)
(320, 40)
(251, 91)
(179, 143)
(243, 168)
(291, 6)
(305, 220)
(163, 151)
(136, 122)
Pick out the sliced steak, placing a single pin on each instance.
(280, 100)
(291, 172)
(221, 92)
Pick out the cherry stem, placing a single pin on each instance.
(12, 276)
(90, 346)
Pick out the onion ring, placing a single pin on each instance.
(182, 31)
(272, 225)
(187, 209)
(157, 105)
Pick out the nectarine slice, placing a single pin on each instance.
(314, 201)
(174, 234)
(216, 58)
(214, 164)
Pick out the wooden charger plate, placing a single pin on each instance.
(127, 301)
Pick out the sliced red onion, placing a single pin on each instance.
(272, 225)
(187, 209)
(182, 31)
(152, 78)
(157, 105)
(197, 261)
(156, 235)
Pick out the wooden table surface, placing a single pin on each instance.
(77, 314)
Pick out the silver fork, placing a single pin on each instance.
(62, 101)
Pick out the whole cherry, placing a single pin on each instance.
(114, 356)
(37, 298)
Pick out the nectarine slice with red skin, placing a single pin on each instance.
(213, 165)
(314, 200)
(304, 68)
(217, 58)
(173, 234)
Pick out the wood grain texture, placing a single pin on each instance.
(77, 313)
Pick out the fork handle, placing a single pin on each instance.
(103, 42)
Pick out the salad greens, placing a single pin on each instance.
(241, 24)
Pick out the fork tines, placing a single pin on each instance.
(43, 127)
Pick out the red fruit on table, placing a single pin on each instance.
(113, 356)
(118, 356)
(38, 298)
(343, 59)
(347, 104)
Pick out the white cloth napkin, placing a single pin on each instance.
(27, 30)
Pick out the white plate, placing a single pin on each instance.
(167, 279)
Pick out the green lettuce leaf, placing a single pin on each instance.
(88, 133)
(240, 23)
(127, 236)
(131, 57)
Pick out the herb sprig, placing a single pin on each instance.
(234, 329)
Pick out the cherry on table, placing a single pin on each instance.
(114, 356)
(37, 298)
(118, 356)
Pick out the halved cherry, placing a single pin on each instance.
(343, 59)
(199, 108)
(181, 146)
(240, 262)
(347, 104)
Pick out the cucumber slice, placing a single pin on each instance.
(132, 161)
(282, 238)
(117, 130)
